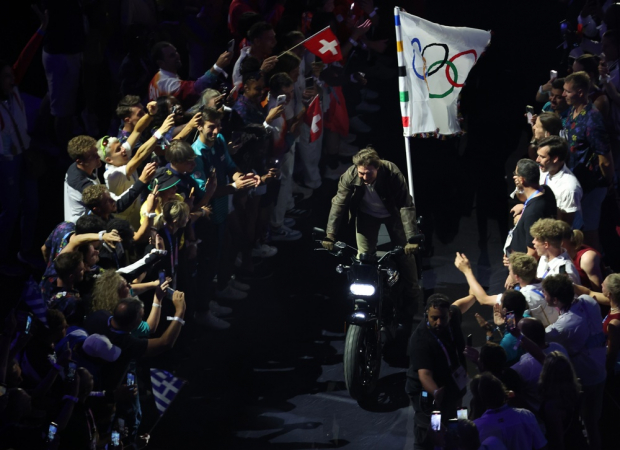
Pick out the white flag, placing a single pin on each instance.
(434, 62)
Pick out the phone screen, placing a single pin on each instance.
(453, 426)
(28, 324)
(162, 276)
(116, 438)
(436, 421)
(51, 432)
(231, 46)
(553, 74)
(461, 413)
(309, 81)
(131, 379)
(510, 320)
(281, 100)
(71, 370)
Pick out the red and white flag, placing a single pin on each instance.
(314, 119)
(325, 45)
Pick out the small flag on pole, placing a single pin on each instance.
(34, 299)
(314, 119)
(325, 45)
(165, 388)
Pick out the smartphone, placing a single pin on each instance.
(231, 46)
(510, 320)
(470, 340)
(309, 82)
(553, 74)
(169, 292)
(131, 379)
(51, 431)
(529, 111)
(453, 426)
(281, 100)
(162, 276)
(176, 109)
(71, 370)
(28, 324)
(436, 421)
(461, 414)
(116, 439)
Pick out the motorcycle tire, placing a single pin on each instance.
(362, 361)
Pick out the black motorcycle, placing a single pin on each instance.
(374, 292)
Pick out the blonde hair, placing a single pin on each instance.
(175, 210)
(577, 239)
(105, 292)
(551, 231)
(79, 146)
(523, 265)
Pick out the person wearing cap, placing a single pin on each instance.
(120, 174)
(166, 182)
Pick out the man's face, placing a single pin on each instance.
(185, 166)
(92, 256)
(266, 42)
(137, 112)
(209, 131)
(118, 155)
(107, 205)
(91, 161)
(170, 60)
(254, 90)
(550, 300)
(511, 272)
(368, 174)
(7, 81)
(538, 130)
(558, 102)
(78, 275)
(540, 247)
(438, 318)
(517, 179)
(571, 94)
(544, 160)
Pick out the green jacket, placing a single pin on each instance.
(392, 189)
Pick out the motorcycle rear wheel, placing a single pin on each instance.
(362, 360)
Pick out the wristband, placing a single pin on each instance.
(58, 367)
(149, 215)
(178, 319)
(219, 70)
(353, 42)
(540, 89)
(72, 398)
(101, 233)
(157, 135)
(373, 13)
(156, 305)
(233, 184)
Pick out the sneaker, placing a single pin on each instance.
(347, 149)
(238, 285)
(209, 320)
(298, 213)
(217, 310)
(305, 191)
(264, 251)
(366, 107)
(230, 293)
(368, 94)
(334, 174)
(289, 222)
(350, 138)
(284, 233)
(34, 261)
(356, 124)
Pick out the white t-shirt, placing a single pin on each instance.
(517, 428)
(553, 267)
(565, 187)
(538, 306)
(117, 183)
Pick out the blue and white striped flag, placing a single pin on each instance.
(34, 299)
(165, 388)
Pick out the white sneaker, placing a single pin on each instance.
(207, 319)
(368, 94)
(306, 192)
(289, 222)
(366, 107)
(238, 285)
(264, 251)
(347, 149)
(334, 174)
(230, 293)
(217, 310)
(357, 125)
(284, 233)
(350, 138)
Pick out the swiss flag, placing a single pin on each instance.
(324, 45)
(314, 119)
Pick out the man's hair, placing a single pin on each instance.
(579, 80)
(493, 358)
(559, 287)
(279, 81)
(250, 69)
(367, 157)
(589, 63)
(179, 152)
(175, 210)
(558, 83)
(292, 36)
(557, 146)
(523, 265)
(257, 30)
(246, 20)
(211, 115)
(548, 230)
(469, 436)
(124, 106)
(439, 301)
(514, 301)
(66, 263)
(89, 223)
(488, 391)
(533, 329)
(529, 170)
(551, 123)
(79, 146)
(127, 311)
(287, 62)
(124, 228)
(93, 194)
(613, 286)
(157, 50)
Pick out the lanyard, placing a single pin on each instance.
(114, 330)
(546, 179)
(443, 347)
(528, 200)
(174, 255)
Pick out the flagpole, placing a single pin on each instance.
(162, 414)
(307, 39)
(409, 167)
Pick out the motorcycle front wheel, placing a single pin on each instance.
(362, 360)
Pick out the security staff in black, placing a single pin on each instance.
(437, 376)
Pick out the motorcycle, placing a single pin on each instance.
(374, 290)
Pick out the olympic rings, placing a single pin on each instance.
(456, 76)
(445, 58)
(421, 77)
(454, 83)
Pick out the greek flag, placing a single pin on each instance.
(165, 388)
(33, 298)
(433, 64)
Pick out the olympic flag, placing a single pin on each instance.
(434, 62)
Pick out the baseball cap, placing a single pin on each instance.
(97, 345)
(165, 178)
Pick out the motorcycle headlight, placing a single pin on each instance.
(365, 290)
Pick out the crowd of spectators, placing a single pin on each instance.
(203, 175)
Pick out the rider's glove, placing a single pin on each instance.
(410, 249)
(328, 243)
